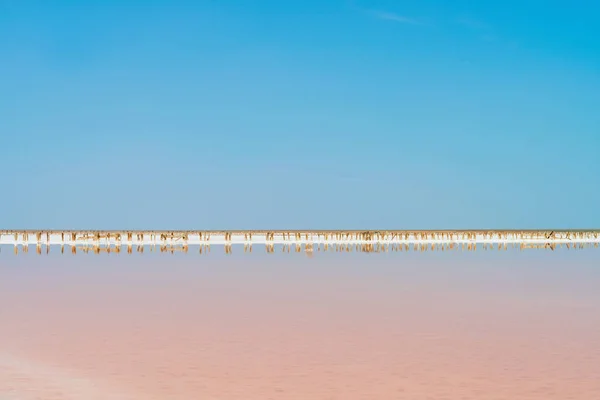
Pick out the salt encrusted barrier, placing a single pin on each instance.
(357, 240)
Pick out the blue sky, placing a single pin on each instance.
(299, 114)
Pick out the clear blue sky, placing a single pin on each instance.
(299, 114)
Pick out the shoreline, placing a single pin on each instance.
(365, 241)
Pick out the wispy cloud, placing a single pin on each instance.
(389, 16)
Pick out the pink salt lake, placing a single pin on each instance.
(338, 326)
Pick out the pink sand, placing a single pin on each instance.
(283, 327)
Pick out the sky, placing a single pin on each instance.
(299, 114)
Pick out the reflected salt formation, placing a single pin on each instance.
(297, 241)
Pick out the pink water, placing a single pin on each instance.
(474, 326)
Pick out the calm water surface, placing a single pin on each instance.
(478, 326)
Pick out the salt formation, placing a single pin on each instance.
(363, 241)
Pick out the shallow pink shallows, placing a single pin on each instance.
(338, 326)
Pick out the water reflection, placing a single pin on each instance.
(308, 248)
